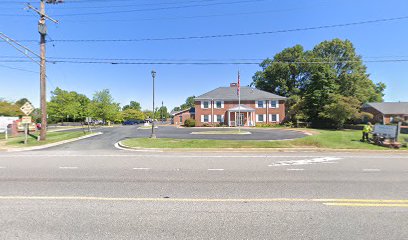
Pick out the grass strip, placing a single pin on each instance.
(332, 139)
(52, 137)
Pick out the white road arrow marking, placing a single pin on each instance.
(305, 161)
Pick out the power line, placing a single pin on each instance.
(151, 9)
(190, 59)
(134, 5)
(231, 34)
(157, 9)
(19, 69)
(214, 63)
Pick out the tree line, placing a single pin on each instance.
(325, 86)
(70, 106)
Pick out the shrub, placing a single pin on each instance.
(267, 125)
(289, 124)
(189, 123)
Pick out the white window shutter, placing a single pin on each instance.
(202, 104)
(256, 104)
(277, 104)
(270, 117)
(222, 118)
(277, 117)
(256, 118)
(264, 117)
(264, 104)
(202, 118)
(215, 118)
(209, 118)
(222, 104)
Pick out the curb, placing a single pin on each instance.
(121, 146)
(53, 144)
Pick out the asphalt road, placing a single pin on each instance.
(112, 135)
(106, 193)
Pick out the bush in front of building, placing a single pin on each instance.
(267, 125)
(189, 123)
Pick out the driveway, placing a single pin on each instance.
(256, 133)
(112, 135)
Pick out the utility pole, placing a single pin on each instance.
(42, 29)
(153, 134)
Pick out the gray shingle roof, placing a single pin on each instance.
(392, 108)
(230, 93)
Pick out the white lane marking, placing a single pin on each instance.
(173, 156)
(371, 170)
(196, 156)
(141, 168)
(68, 167)
(215, 169)
(305, 161)
(295, 169)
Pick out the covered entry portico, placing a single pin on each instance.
(241, 115)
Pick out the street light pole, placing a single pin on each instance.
(153, 134)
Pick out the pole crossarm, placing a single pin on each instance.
(42, 14)
(24, 50)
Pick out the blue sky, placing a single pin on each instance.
(178, 18)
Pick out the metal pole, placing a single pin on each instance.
(153, 134)
(43, 86)
(239, 103)
(26, 134)
(398, 131)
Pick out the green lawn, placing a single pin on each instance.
(52, 137)
(344, 139)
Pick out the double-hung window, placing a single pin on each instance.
(274, 118)
(205, 104)
(274, 104)
(260, 117)
(260, 104)
(206, 118)
(218, 104)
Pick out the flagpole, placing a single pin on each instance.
(239, 104)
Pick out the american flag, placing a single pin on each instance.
(239, 85)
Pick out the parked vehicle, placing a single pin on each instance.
(132, 122)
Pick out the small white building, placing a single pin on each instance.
(5, 121)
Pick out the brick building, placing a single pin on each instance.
(220, 106)
(181, 116)
(387, 112)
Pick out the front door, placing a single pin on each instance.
(239, 119)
